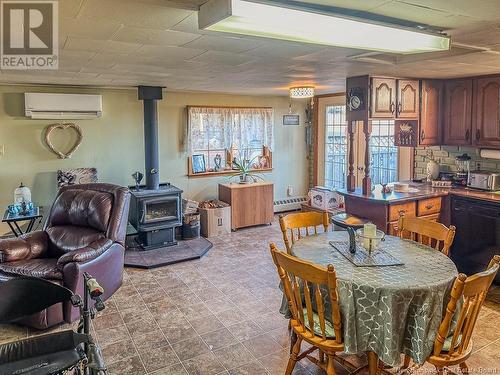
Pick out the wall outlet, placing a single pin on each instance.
(289, 191)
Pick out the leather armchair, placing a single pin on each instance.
(85, 232)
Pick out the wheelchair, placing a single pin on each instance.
(65, 352)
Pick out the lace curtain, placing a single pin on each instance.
(214, 128)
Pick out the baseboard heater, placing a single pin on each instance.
(289, 204)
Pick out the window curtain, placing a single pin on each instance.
(229, 127)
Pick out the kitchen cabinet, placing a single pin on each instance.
(251, 204)
(383, 97)
(477, 238)
(486, 129)
(457, 118)
(431, 111)
(394, 98)
(408, 99)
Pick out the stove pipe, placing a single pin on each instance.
(150, 95)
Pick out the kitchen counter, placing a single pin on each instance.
(420, 191)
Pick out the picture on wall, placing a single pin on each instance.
(293, 120)
(198, 162)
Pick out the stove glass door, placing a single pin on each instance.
(164, 209)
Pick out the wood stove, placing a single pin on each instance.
(155, 209)
(155, 214)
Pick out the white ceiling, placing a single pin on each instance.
(125, 43)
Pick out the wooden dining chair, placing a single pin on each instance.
(427, 232)
(455, 347)
(301, 224)
(306, 285)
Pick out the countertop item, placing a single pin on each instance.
(371, 296)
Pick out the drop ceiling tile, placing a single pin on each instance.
(109, 46)
(224, 58)
(87, 28)
(413, 12)
(484, 9)
(172, 53)
(223, 43)
(189, 25)
(273, 49)
(133, 13)
(69, 8)
(153, 36)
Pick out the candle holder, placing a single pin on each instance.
(369, 242)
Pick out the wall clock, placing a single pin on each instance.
(356, 99)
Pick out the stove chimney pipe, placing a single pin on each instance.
(150, 95)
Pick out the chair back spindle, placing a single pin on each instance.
(298, 225)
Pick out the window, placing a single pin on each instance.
(335, 147)
(213, 130)
(384, 155)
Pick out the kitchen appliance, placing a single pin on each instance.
(484, 180)
(477, 238)
(463, 168)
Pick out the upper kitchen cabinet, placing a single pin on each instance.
(430, 116)
(408, 103)
(383, 97)
(458, 112)
(486, 124)
(393, 98)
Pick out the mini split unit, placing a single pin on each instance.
(62, 106)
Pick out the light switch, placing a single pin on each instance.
(2, 150)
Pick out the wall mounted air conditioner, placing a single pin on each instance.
(62, 106)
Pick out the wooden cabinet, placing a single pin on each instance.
(428, 206)
(406, 209)
(486, 129)
(251, 204)
(383, 97)
(392, 98)
(408, 99)
(457, 118)
(431, 111)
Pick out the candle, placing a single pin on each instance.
(369, 231)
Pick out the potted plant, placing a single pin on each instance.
(243, 170)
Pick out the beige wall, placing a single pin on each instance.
(114, 143)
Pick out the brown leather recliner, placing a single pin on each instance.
(85, 232)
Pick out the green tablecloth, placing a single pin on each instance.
(388, 310)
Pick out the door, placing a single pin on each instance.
(458, 112)
(430, 118)
(408, 103)
(383, 98)
(487, 112)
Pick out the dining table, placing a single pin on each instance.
(386, 310)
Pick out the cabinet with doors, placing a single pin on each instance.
(394, 98)
(486, 121)
(457, 117)
(431, 111)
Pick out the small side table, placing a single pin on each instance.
(13, 219)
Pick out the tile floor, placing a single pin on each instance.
(219, 315)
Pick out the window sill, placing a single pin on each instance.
(225, 173)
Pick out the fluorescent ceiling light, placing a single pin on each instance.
(270, 21)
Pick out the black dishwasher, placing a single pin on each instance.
(478, 234)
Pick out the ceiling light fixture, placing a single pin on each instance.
(301, 92)
(278, 22)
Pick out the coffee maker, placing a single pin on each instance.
(461, 177)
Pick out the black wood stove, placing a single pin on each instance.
(155, 209)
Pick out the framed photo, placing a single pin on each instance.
(198, 163)
(292, 120)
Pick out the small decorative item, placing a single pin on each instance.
(22, 194)
(405, 133)
(292, 120)
(432, 167)
(137, 176)
(198, 163)
(217, 162)
(79, 136)
(243, 170)
(356, 99)
(23, 208)
(370, 238)
(352, 240)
